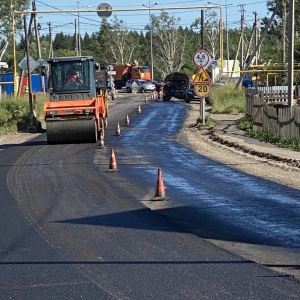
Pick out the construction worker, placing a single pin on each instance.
(26, 89)
(72, 76)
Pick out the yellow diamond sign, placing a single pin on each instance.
(201, 76)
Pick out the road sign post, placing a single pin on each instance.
(202, 81)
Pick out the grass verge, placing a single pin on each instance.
(263, 136)
(15, 112)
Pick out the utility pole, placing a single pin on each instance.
(76, 39)
(202, 29)
(78, 33)
(149, 6)
(32, 117)
(256, 36)
(50, 38)
(253, 33)
(259, 43)
(291, 30)
(283, 59)
(242, 37)
(38, 45)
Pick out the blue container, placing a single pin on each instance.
(35, 82)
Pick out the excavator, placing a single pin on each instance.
(77, 108)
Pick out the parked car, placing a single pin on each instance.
(142, 85)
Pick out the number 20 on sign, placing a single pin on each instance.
(202, 90)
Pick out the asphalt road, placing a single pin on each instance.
(72, 230)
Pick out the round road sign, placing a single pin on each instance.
(202, 90)
(105, 12)
(201, 58)
(110, 68)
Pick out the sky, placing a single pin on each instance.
(137, 20)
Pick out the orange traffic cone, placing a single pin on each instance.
(101, 140)
(127, 120)
(160, 191)
(113, 161)
(118, 130)
(139, 109)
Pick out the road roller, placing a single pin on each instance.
(77, 108)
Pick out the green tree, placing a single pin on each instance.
(6, 16)
(211, 32)
(168, 44)
(121, 43)
(62, 41)
(6, 9)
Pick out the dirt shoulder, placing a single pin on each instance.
(9, 139)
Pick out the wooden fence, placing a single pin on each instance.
(268, 108)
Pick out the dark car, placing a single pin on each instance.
(191, 95)
(175, 85)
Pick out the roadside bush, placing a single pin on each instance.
(16, 109)
(3, 116)
(15, 112)
(245, 123)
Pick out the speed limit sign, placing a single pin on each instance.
(202, 90)
(202, 58)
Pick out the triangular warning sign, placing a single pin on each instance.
(201, 76)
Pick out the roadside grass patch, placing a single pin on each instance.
(246, 124)
(226, 99)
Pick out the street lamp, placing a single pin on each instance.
(150, 26)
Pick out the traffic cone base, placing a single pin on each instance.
(118, 130)
(127, 120)
(160, 191)
(101, 140)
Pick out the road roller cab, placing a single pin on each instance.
(76, 111)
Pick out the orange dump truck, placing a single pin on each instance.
(126, 72)
(77, 108)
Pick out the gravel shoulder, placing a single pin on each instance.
(228, 145)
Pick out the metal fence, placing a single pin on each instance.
(268, 108)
